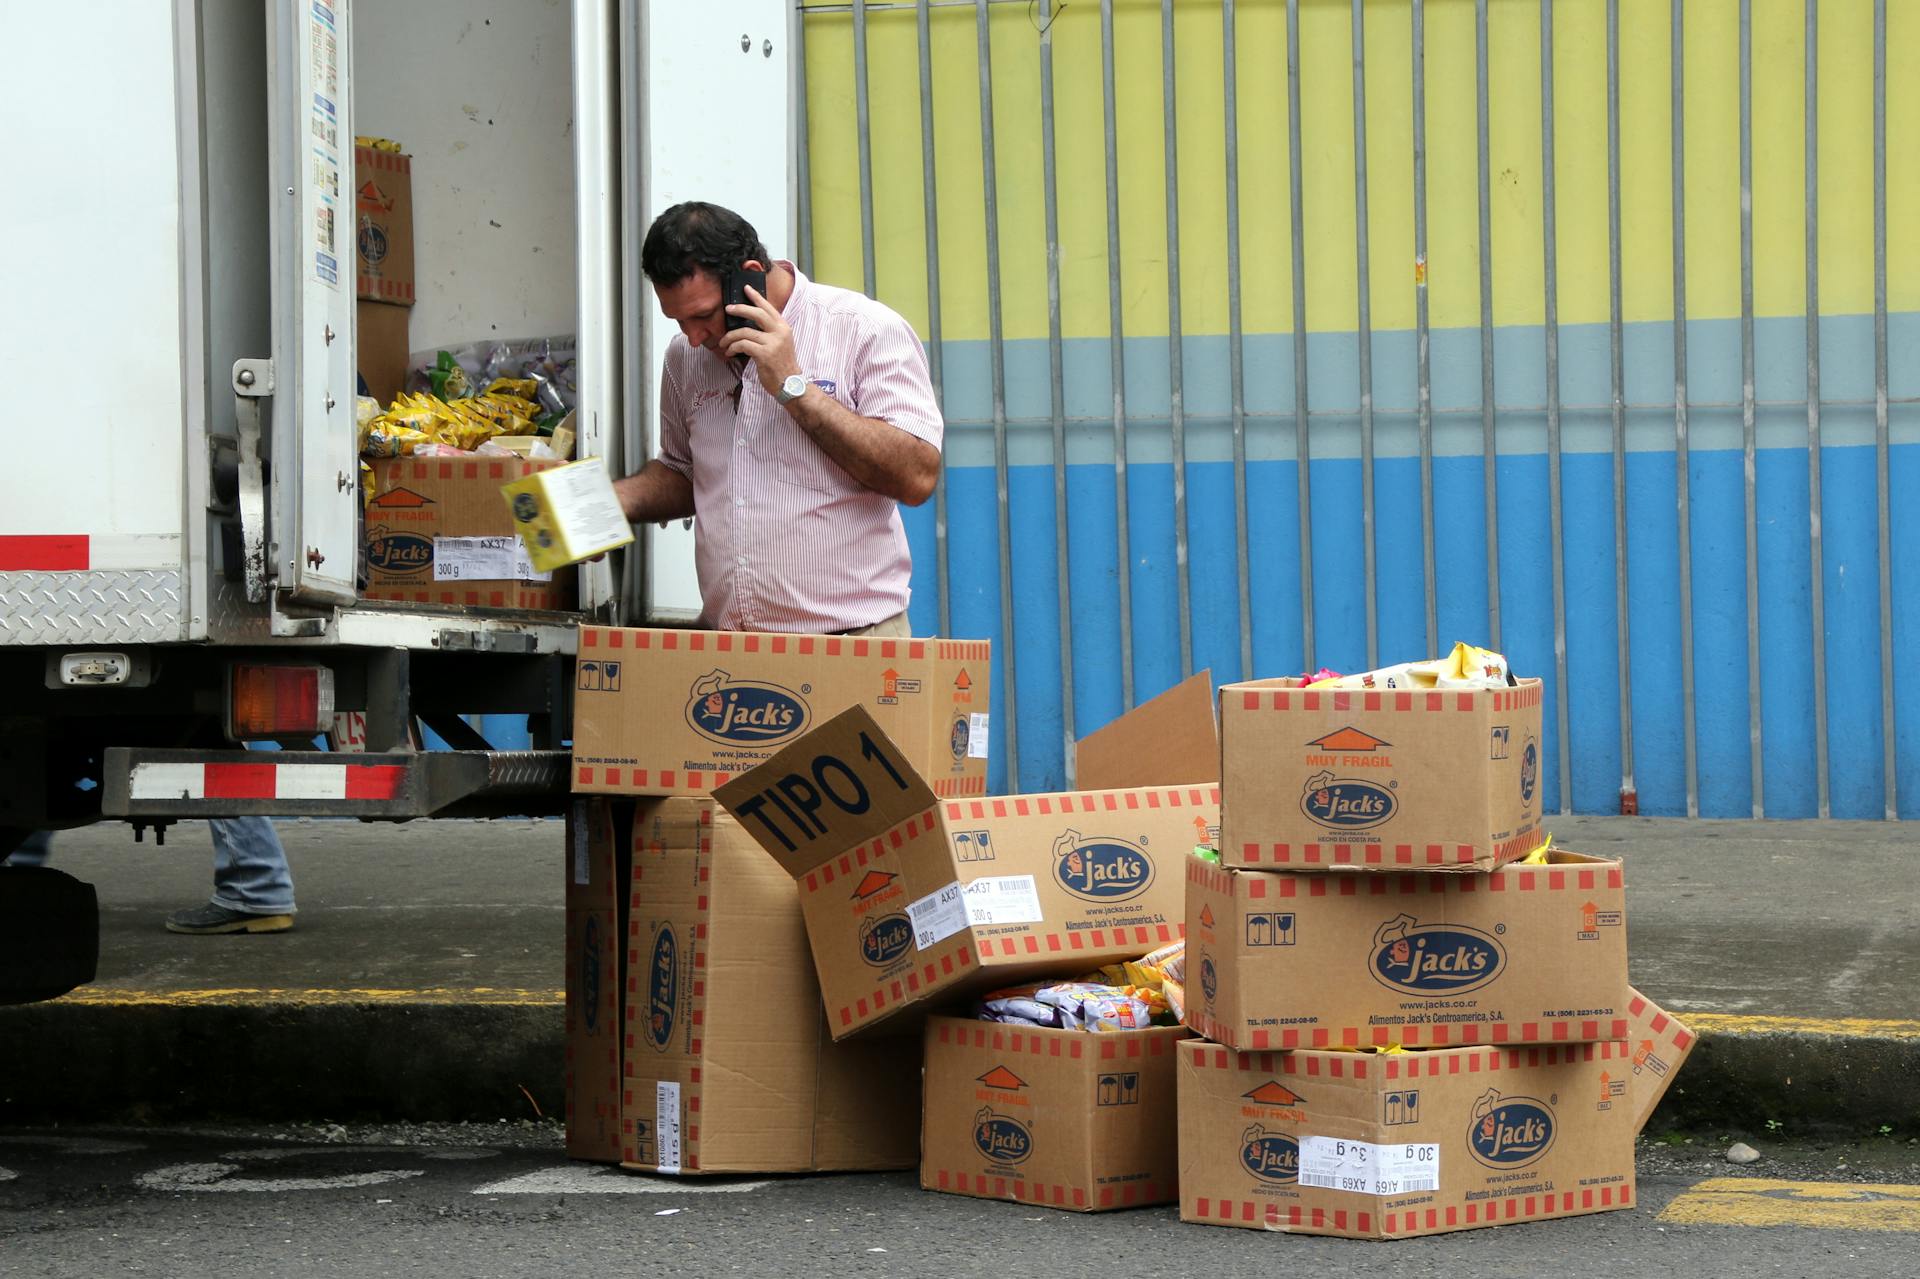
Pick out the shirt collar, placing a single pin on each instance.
(800, 287)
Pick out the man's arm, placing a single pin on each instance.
(876, 453)
(656, 492)
(887, 458)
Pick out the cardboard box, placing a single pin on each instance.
(380, 348)
(1061, 1118)
(674, 712)
(383, 225)
(438, 533)
(910, 898)
(567, 513)
(1378, 780)
(1392, 1146)
(1170, 740)
(596, 860)
(727, 1065)
(1528, 954)
(1661, 1044)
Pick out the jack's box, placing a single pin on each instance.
(1661, 1044)
(1390, 779)
(1390, 1146)
(671, 712)
(597, 861)
(911, 898)
(726, 1064)
(1527, 954)
(1057, 1118)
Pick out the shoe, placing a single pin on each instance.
(210, 918)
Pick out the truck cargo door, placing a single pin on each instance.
(314, 529)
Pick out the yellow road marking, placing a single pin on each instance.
(1826, 1205)
(1734, 1024)
(107, 997)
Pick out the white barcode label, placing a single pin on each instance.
(977, 736)
(1366, 1168)
(666, 1125)
(485, 559)
(1003, 899)
(938, 915)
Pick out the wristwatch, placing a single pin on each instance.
(791, 389)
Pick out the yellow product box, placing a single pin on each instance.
(567, 514)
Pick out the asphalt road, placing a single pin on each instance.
(502, 1200)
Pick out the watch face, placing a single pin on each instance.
(794, 387)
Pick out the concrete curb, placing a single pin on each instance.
(346, 1056)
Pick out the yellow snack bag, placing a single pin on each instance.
(1464, 667)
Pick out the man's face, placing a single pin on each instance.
(695, 303)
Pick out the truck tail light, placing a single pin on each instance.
(279, 701)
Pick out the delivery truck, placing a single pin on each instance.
(183, 540)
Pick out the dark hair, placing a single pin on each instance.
(697, 235)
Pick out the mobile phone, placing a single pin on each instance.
(733, 287)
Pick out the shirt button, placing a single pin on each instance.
(741, 561)
(739, 501)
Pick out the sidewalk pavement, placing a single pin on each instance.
(423, 979)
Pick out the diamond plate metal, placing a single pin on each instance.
(231, 617)
(101, 607)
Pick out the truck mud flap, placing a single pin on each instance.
(141, 783)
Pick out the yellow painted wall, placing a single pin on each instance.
(1711, 154)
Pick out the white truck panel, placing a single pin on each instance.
(694, 70)
(91, 260)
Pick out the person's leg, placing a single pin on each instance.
(31, 851)
(252, 884)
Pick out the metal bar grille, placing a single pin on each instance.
(1236, 403)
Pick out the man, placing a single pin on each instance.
(252, 885)
(791, 441)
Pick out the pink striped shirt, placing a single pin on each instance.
(784, 539)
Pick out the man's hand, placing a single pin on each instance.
(770, 346)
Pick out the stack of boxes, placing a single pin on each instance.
(1392, 1029)
(696, 1040)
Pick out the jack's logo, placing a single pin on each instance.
(372, 241)
(1509, 1132)
(1348, 803)
(1349, 740)
(1434, 959)
(1529, 770)
(1101, 870)
(590, 975)
(1001, 1139)
(1270, 1156)
(885, 939)
(401, 553)
(745, 712)
(1209, 978)
(663, 987)
(961, 736)
(874, 881)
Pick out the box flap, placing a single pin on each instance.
(839, 785)
(1170, 740)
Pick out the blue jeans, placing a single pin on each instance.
(250, 871)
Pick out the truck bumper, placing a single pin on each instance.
(163, 784)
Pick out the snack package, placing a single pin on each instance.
(1465, 667)
(1097, 1008)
